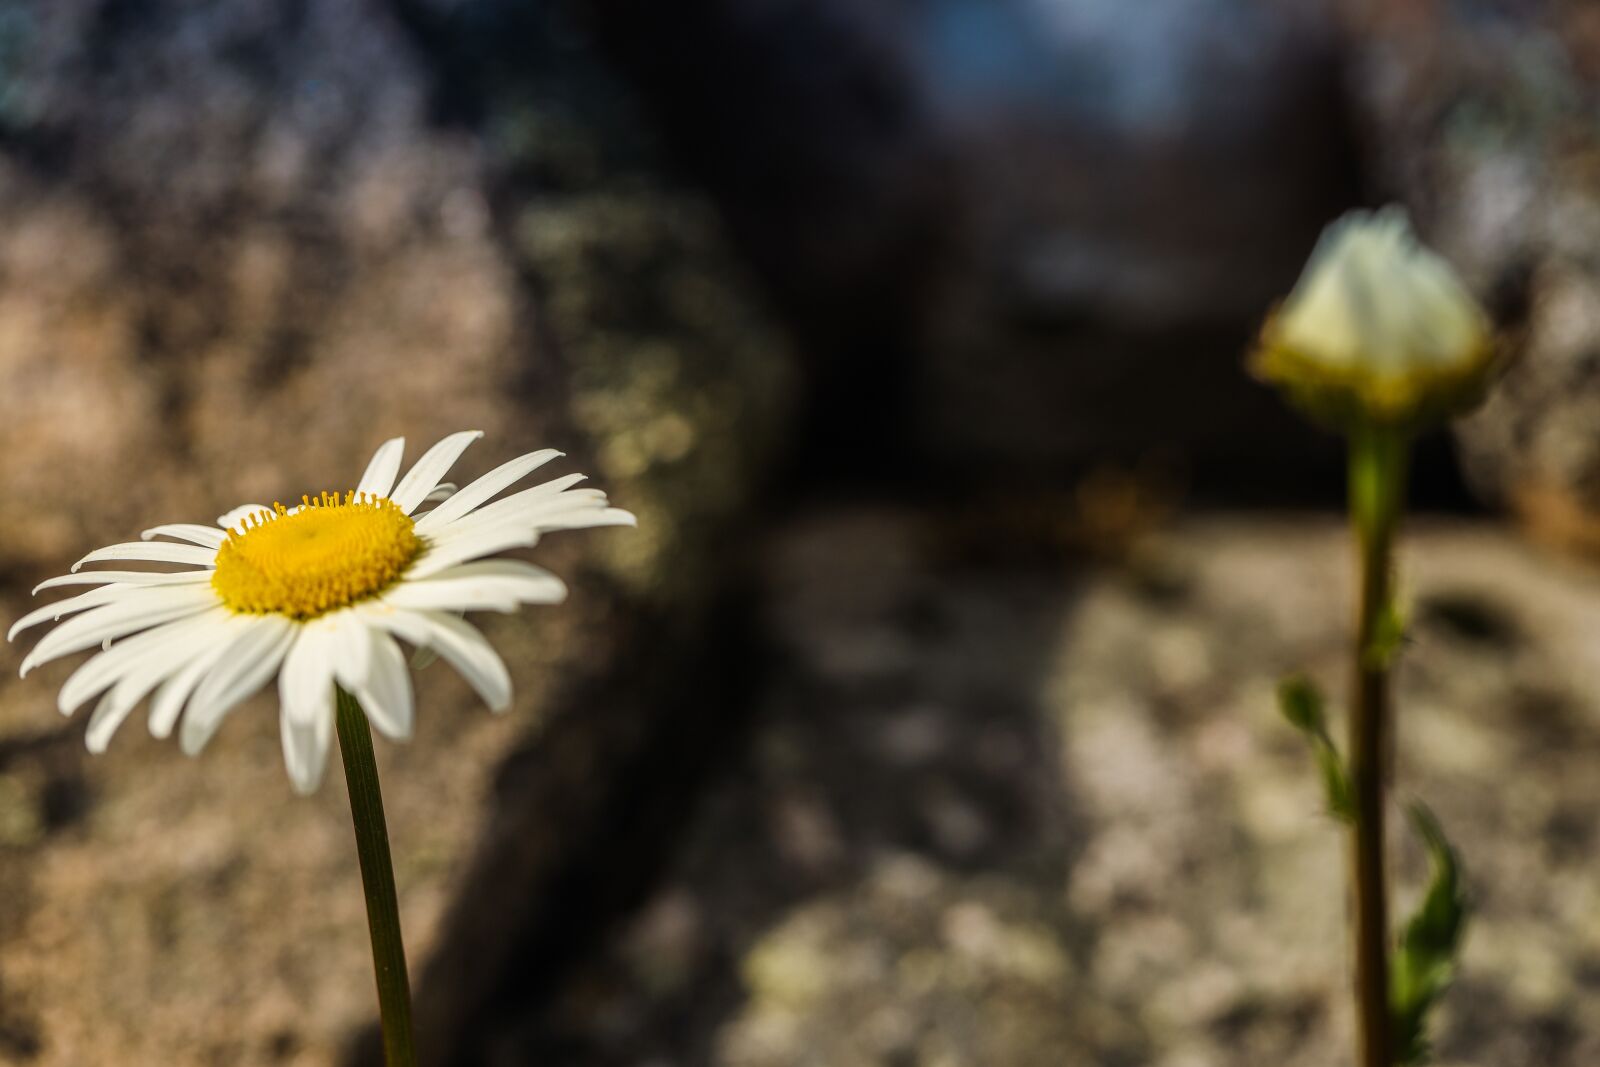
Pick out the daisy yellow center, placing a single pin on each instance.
(332, 552)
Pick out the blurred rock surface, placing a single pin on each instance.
(994, 811)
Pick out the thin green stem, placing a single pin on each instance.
(377, 879)
(1377, 487)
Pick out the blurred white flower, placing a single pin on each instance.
(316, 595)
(1377, 327)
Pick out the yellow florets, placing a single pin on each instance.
(332, 552)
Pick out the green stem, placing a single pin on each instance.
(1377, 487)
(377, 880)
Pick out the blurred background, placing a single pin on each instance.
(927, 719)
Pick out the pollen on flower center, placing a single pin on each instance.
(332, 552)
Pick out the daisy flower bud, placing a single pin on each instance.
(1378, 330)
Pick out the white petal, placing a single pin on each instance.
(209, 536)
(156, 665)
(305, 716)
(106, 668)
(306, 743)
(422, 478)
(454, 640)
(481, 586)
(524, 574)
(102, 724)
(561, 511)
(581, 495)
(169, 700)
(155, 552)
(139, 610)
(350, 648)
(516, 502)
(586, 519)
(386, 698)
(484, 489)
(453, 596)
(441, 492)
(232, 519)
(123, 578)
(305, 684)
(570, 510)
(244, 666)
(382, 468)
(129, 656)
(69, 606)
(406, 625)
(482, 542)
(460, 644)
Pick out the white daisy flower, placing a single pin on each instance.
(315, 594)
(1378, 327)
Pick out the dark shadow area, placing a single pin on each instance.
(584, 818)
(883, 743)
(984, 254)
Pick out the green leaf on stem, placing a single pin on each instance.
(1388, 636)
(1301, 703)
(1424, 961)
